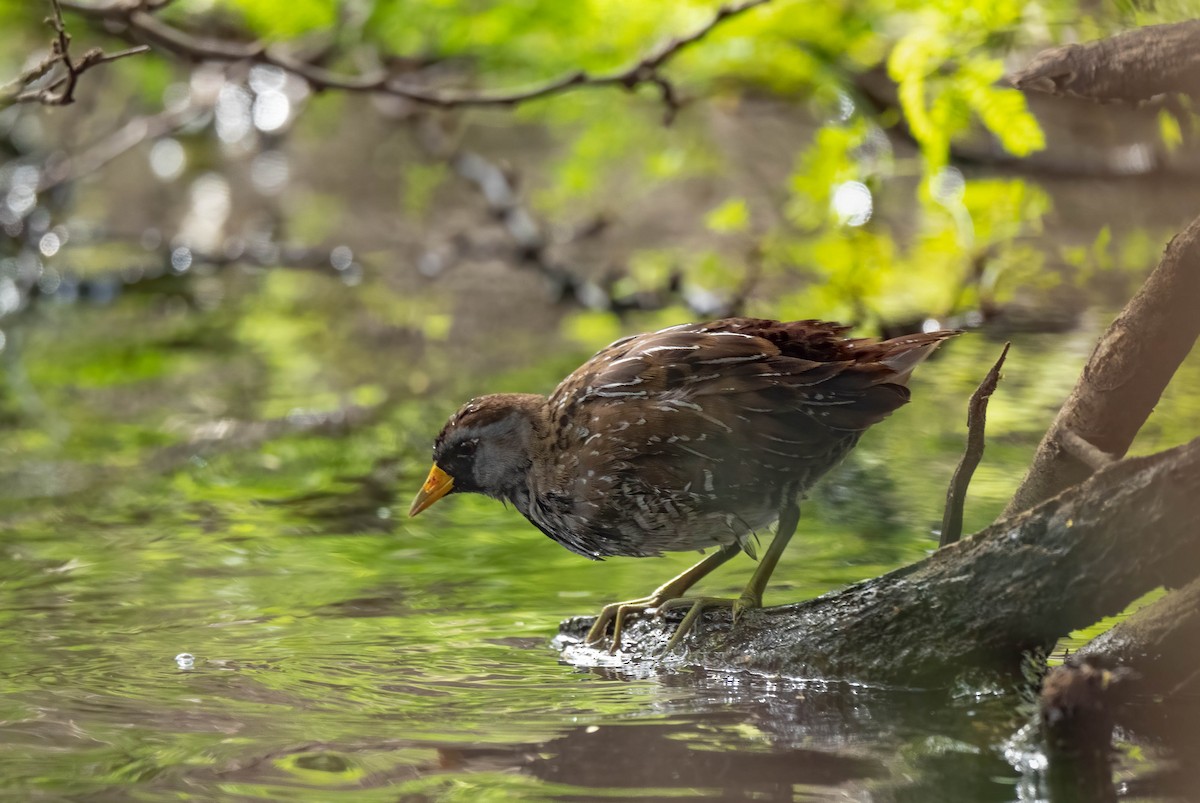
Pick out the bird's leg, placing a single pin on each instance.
(752, 596)
(617, 612)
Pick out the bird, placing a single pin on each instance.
(693, 437)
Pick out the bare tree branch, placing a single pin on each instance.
(140, 25)
(92, 158)
(60, 91)
(956, 495)
(1124, 377)
(1132, 66)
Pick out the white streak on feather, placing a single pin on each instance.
(637, 380)
(656, 349)
(619, 394)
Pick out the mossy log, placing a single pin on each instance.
(978, 604)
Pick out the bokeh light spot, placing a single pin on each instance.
(852, 203)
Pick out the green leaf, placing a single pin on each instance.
(1170, 130)
(285, 19)
(730, 216)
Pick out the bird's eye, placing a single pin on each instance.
(468, 447)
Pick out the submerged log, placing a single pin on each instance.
(1016, 586)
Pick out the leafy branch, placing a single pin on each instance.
(140, 25)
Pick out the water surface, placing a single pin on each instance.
(229, 482)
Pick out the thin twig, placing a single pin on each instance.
(61, 169)
(142, 26)
(529, 240)
(952, 519)
(61, 91)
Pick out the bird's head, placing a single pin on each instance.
(484, 448)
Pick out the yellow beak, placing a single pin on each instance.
(437, 485)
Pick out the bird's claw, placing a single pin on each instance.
(617, 613)
(697, 606)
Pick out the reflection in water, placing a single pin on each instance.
(205, 593)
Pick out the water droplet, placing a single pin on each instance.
(852, 203)
(167, 159)
(49, 244)
(185, 660)
(233, 113)
(341, 257)
(272, 109)
(10, 296)
(181, 259)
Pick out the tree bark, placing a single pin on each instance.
(1161, 642)
(1132, 66)
(978, 604)
(1123, 379)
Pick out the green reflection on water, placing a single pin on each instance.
(341, 648)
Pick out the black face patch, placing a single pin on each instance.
(457, 458)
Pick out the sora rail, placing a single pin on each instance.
(691, 437)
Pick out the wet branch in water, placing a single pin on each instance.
(1017, 586)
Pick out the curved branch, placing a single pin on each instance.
(1130, 367)
(140, 25)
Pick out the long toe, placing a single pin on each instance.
(697, 606)
(596, 632)
(615, 613)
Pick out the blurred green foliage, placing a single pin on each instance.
(945, 59)
(955, 249)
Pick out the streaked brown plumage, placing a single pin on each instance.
(691, 437)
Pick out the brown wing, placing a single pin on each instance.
(725, 417)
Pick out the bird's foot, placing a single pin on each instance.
(616, 613)
(697, 606)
